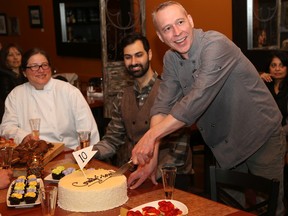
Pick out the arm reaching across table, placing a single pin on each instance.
(143, 151)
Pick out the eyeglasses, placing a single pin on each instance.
(44, 66)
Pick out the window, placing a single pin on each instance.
(267, 22)
(260, 26)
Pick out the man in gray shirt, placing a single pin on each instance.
(207, 80)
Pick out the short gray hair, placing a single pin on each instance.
(162, 6)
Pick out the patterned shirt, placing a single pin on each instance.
(142, 94)
(115, 136)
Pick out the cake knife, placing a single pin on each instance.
(123, 168)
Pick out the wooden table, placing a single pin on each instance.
(147, 192)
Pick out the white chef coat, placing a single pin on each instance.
(61, 107)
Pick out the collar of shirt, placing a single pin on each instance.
(49, 85)
(142, 94)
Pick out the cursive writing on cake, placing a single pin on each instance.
(90, 181)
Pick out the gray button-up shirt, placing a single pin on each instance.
(220, 90)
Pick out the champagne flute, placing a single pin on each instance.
(168, 179)
(35, 127)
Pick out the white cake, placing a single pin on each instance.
(99, 192)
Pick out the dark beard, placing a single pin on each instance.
(139, 73)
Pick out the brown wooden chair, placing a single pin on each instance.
(220, 179)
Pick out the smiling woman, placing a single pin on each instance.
(11, 56)
(36, 66)
(276, 80)
(61, 107)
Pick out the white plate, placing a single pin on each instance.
(176, 203)
(50, 178)
(23, 204)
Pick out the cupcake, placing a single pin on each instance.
(15, 198)
(57, 173)
(21, 179)
(31, 178)
(18, 186)
(30, 197)
(33, 183)
(31, 188)
(19, 191)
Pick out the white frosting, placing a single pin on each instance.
(77, 194)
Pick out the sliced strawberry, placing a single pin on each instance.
(134, 213)
(149, 210)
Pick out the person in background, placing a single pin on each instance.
(5, 178)
(207, 80)
(10, 73)
(276, 79)
(261, 38)
(61, 107)
(11, 56)
(130, 119)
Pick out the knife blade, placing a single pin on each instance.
(123, 168)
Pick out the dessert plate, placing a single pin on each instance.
(50, 179)
(176, 203)
(23, 204)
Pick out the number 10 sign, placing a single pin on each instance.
(83, 156)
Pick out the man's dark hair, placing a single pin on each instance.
(132, 37)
